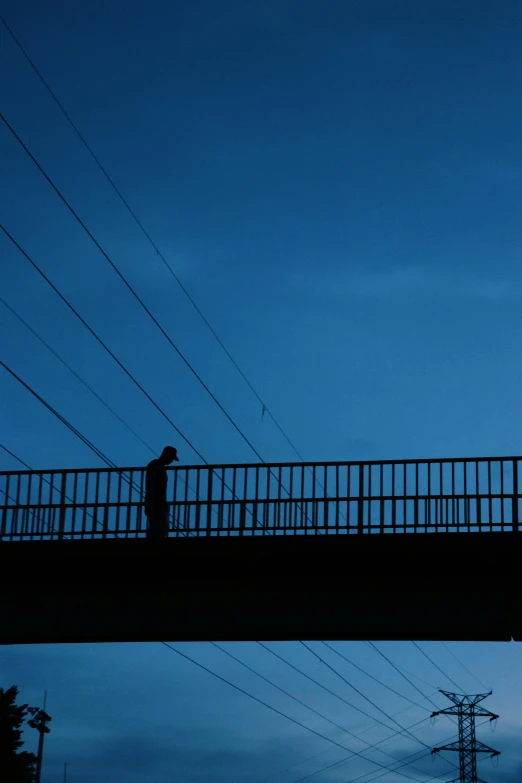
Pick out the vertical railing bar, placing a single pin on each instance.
(266, 515)
(502, 522)
(381, 492)
(394, 502)
(85, 502)
(16, 513)
(245, 500)
(129, 505)
(325, 500)
(3, 529)
(291, 509)
(404, 493)
(74, 506)
(40, 482)
(441, 493)
(175, 507)
(478, 500)
(337, 499)
(490, 499)
(256, 495)
(279, 482)
(416, 502)
(349, 497)
(29, 487)
(234, 496)
(453, 520)
(466, 517)
(514, 512)
(428, 520)
(62, 503)
(315, 519)
(360, 507)
(370, 502)
(118, 506)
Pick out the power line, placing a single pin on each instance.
(130, 288)
(464, 666)
(425, 755)
(49, 525)
(436, 666)
(399, 671)
(403, 730)
(404, 760)
(346, 759)
(274, 709)
(73, 429)
(359, 668)
(100, 341)
(358, 734)
(50, 408)
(87, 386)
(332, 693)
(146, 234)
(68, 366)
(337, 725)
(15, 457)
(375, 777)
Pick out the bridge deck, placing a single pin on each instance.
(391, 550)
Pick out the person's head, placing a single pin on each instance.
(168, 455)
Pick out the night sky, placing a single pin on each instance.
(338, 187)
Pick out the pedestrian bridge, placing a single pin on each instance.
(422, 549)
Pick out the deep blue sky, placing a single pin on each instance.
(338, 185)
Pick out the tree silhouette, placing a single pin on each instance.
(15, 766)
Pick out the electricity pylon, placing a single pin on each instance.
(466, 710)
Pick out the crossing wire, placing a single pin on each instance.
(437, 666)
(404, 760)
(359, 668)
(129, 287)
(274, 709)
(108, 350)
(341, 762)
(363, 695)
(61, 418)
(465, 667)
(68, 366)
(14, 456)
(370, 746)
(160, 255)
(398, 670)
(137, 297)
(100, 341)
(73, 429)
(385, 741)
(87, 386)
(375, 777)
(265, 407)
(403, 673)
(336, 695)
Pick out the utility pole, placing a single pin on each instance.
(39, 722)
(466, 710)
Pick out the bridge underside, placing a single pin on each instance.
(394, 587)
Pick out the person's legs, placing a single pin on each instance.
(158, 525)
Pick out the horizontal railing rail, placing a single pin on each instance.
(370, 497)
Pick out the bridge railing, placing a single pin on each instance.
(409, 496)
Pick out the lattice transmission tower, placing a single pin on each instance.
(466, 710)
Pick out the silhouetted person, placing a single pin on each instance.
(156, 507)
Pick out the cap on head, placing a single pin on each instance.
(170, 454)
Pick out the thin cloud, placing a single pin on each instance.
(404, 281)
